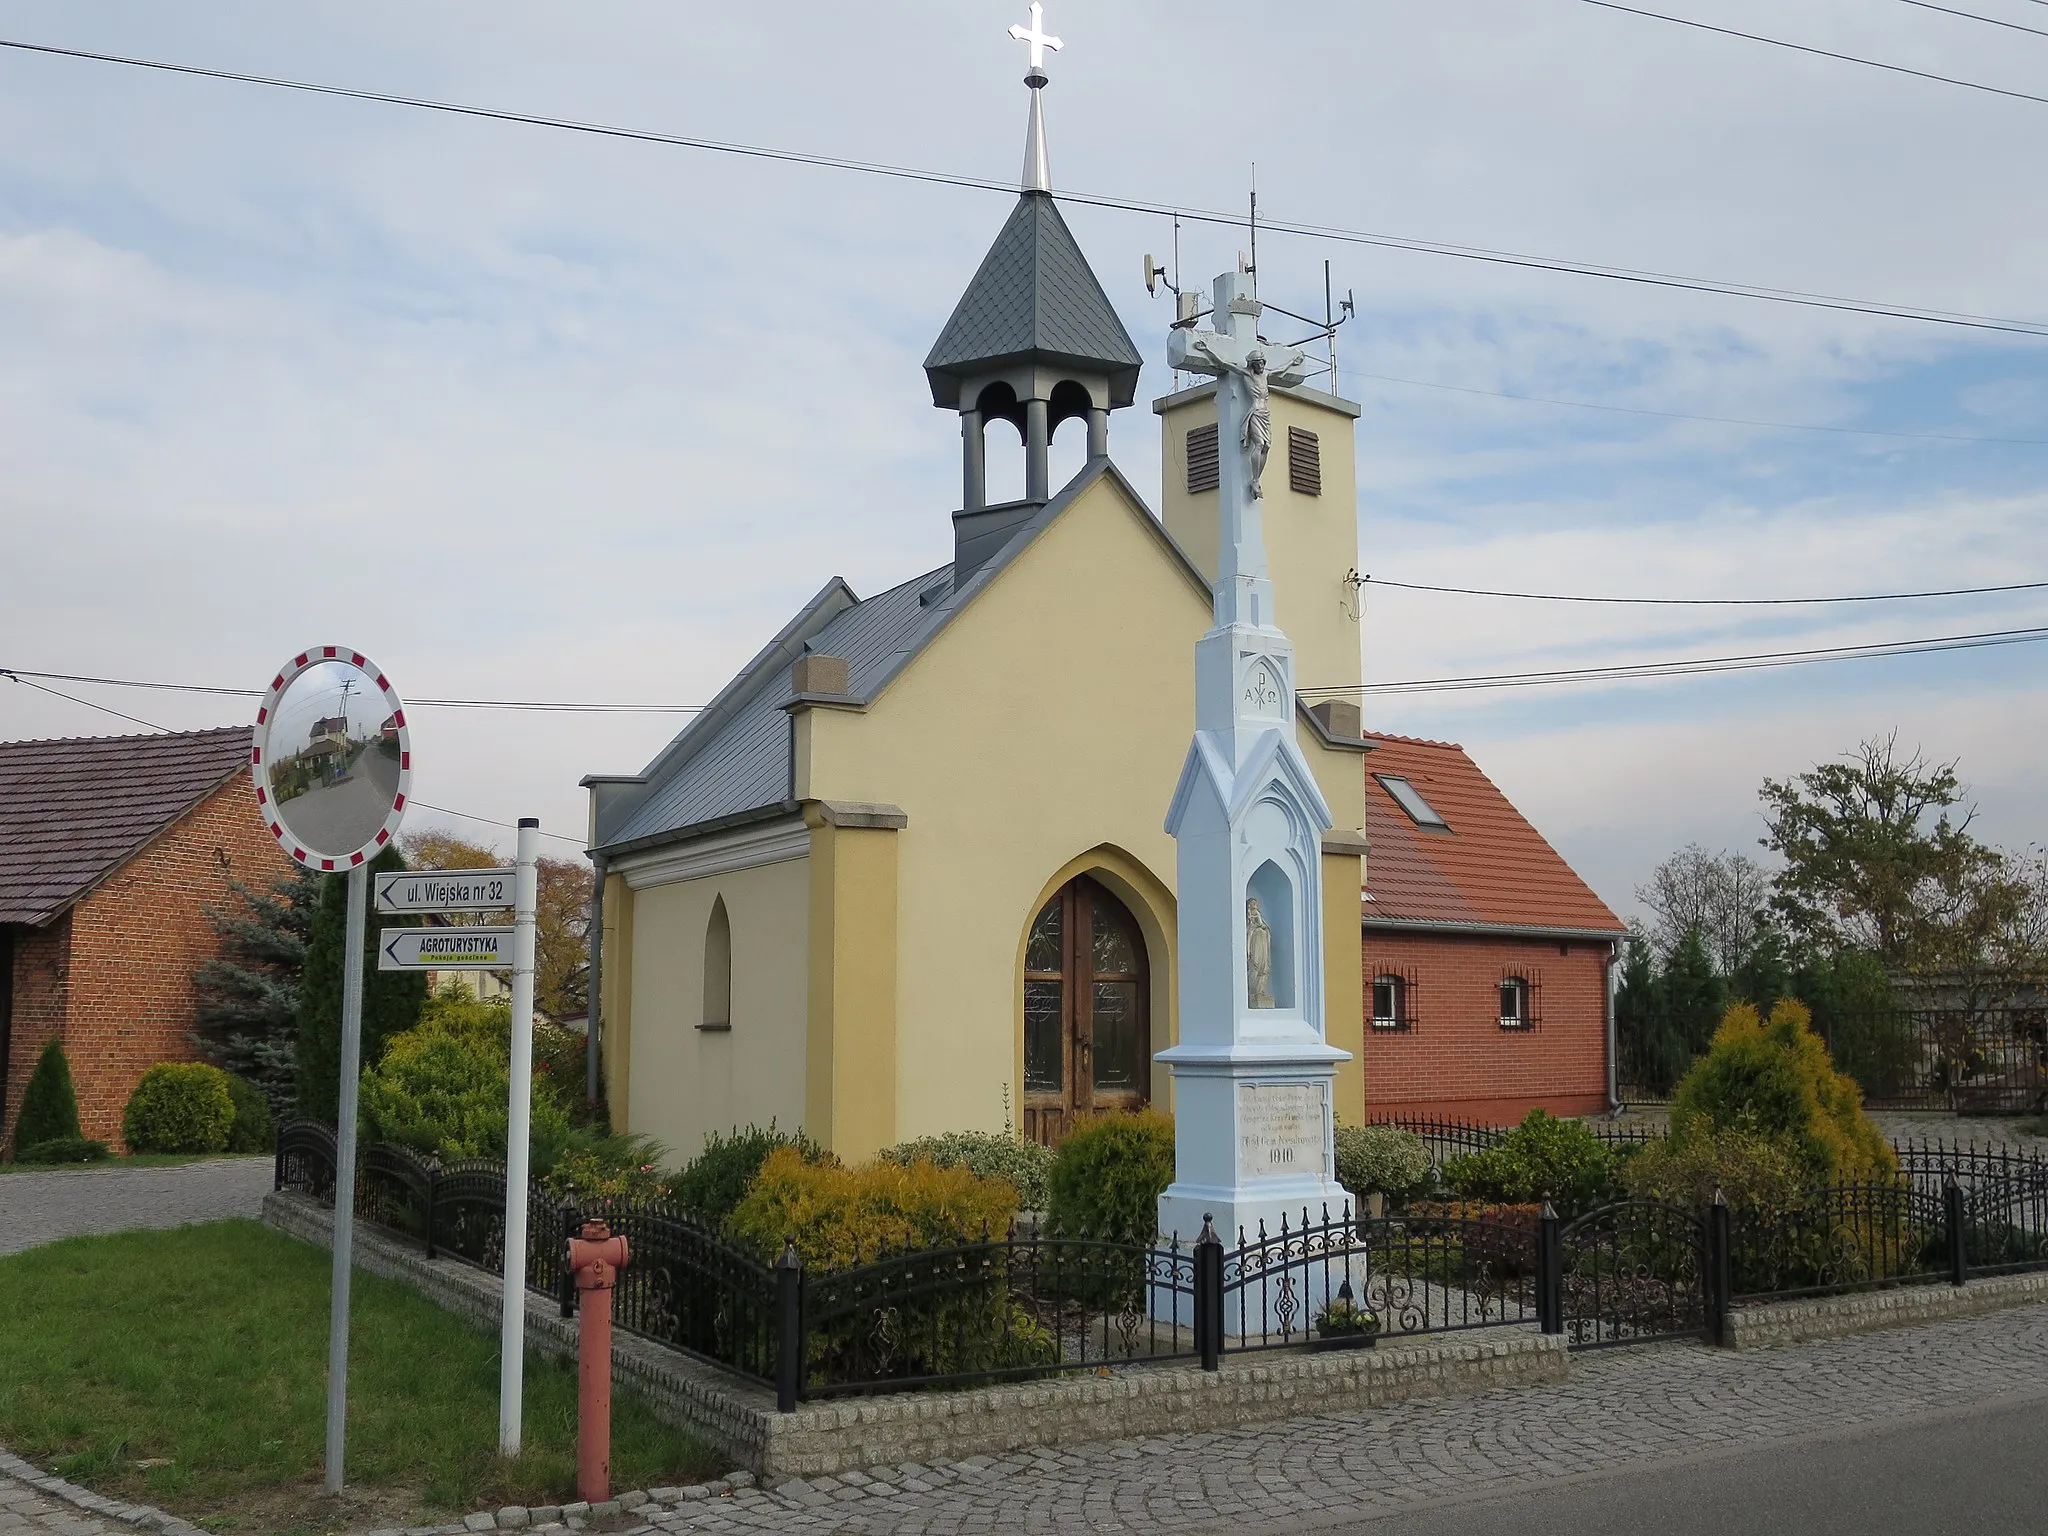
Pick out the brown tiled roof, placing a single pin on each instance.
(1490, 870)
(72, 812)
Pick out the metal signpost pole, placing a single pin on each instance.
(518, 1132)
(345, 1170)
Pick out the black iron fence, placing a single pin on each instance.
(1028, 1304)
(1967, 1060)
(1447, 1139)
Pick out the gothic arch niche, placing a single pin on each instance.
(1087, 1009)
(1269, 901)
(717, 969)
(1002, 460)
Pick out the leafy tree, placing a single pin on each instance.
(49, 1105)
(248, 998)
(1718, 895)
(391, 999)
(1765, 974)
(561, 941)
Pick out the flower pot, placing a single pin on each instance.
(1343, 1341)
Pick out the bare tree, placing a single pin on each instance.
(1719, 895)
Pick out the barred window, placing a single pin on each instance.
(1520, 999)
(1389, 1002)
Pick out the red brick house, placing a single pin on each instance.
(1486, 957)
(111, 849)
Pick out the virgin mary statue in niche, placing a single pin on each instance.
(1258, 957)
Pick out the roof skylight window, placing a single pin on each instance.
(1419, 810)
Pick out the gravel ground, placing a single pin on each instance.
(71, 1202)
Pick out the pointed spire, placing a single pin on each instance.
(1037, 166)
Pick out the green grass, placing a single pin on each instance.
(2037, 1126)
(132, 1160)
(203, 1349)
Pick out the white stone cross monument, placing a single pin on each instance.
(1252, 1071)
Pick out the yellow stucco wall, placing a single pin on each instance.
(615, 1030)
(1311, 541)
(850, 1080)
(1049, 721)
(682, 1082)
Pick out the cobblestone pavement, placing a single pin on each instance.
(67, 1202)
(1621, 1406)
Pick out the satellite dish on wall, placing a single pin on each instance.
(1153, 272)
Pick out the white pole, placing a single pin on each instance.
(518, 1132)
(345, 1170)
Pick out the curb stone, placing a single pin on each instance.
(513, 1517)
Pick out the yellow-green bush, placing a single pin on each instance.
(841, 1216)
(1773, 1079)
(443, 1086)
(179, 1106)
(1108, 1177)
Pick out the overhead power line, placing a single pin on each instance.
(543, 705)
(1989, 21)
(17, 677)
(1637, 276)
(1725, 421)
(1365, 582)
(1755, 661)
(1825, 53)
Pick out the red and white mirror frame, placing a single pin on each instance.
(259, 768)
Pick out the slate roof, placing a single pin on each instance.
(72, 812)
(1033, 297)
(1491, 869)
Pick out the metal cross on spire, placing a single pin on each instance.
(1037, 37)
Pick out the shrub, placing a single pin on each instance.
(1758, 1176)
(49, 1105)
(713, 1184)
(842, 1216)
(1466, 1242)
(392, 1000)
(252, 1130)
(598, 1166)
(1543, 1158)
(1108, 1176)
(443, 1086)
(179, 1106)
(64, 1149)
(1773, 1079)
(1381, 1159)
(950, 1313)
(986, 1154)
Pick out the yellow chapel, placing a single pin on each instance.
(908, 872)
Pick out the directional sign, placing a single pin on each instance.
(445, 890)
(446, 949)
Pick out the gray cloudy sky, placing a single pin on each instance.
(527, 413)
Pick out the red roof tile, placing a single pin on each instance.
(72, 812)
(1491, 868)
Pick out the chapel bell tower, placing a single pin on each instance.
(1033, 343)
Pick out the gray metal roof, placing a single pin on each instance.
(1034, 297)
(735, 757)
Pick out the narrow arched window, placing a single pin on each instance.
(718, 969)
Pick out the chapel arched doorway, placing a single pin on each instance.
(1087, 1029)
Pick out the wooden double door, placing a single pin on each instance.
(1087, 1031)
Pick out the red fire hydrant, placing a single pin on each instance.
(596, 1259)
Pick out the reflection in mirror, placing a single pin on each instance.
(333, 759)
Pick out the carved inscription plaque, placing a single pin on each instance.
(1280, 1130)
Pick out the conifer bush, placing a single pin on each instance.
(1108, 1176)
(714, 1182)
(1772, 1079)
(49, 1105)
(179, 1106)
(65, 1149)
(252, 1130)
(392, 1000)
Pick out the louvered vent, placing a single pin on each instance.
(1304, 462)
(1202, 459)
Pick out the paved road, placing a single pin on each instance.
(68, 1202)
(1978, 1469)
(347, 814)
(1624, 1411)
